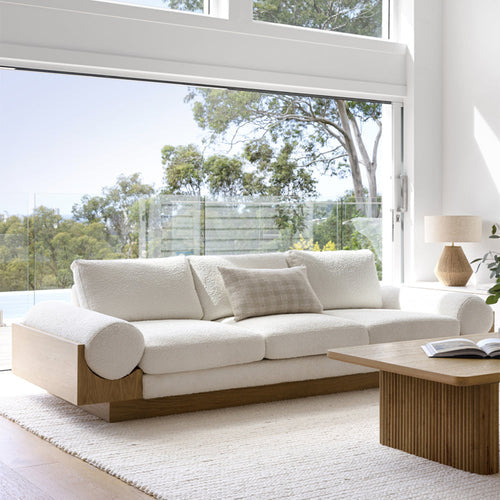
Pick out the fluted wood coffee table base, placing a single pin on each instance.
(453, 425)
(444, 410)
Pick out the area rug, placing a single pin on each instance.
(312, 448)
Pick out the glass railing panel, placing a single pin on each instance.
(16, 295)
(173, 225)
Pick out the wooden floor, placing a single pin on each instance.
(33, 469)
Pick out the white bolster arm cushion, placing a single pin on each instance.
(113, 347)
(474, 314)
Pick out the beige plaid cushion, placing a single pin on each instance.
(260, 292)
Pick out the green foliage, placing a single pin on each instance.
(184, 171)
(492, 261)
(362, 17)
(314, 246)
(261, 171)
(36, 251)
(334, 225)
(116, 208)
(225, 176)
(321, 131)
(187, 5)
(281, 174)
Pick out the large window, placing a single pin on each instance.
(99, 168)
(360, 17)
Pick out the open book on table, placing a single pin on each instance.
(463, 348)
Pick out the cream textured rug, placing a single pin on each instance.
(321, 447)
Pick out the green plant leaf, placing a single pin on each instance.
(492, 299)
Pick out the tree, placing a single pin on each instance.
(13, 254)
(115, 208)
(189, 5)
(225, 176)
(184, 171)
(36, 251)
(260, 171)
(328, 132)
(361, 17)
(281, 174)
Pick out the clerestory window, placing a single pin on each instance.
(359, 17)
(198, 6)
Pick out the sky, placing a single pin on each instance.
(63, 136)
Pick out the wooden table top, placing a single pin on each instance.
(408, 358)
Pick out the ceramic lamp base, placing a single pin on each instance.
(453, 268)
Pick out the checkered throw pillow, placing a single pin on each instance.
(260, 292)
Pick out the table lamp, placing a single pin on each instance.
(453, 268)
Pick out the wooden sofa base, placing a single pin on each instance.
(58, 365)
(117, 411)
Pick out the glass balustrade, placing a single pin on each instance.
(41, 235)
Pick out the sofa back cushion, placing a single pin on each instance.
(138, 289)
(342, 279)
(210, 286)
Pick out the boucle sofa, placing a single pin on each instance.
(148, 337)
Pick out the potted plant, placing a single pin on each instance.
(492, 260)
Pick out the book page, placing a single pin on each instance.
(452, 345)
(490, 345)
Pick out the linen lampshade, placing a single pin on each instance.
(453, 268)
(452, 228)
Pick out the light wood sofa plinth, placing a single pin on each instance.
(58, 365)
(141, 408)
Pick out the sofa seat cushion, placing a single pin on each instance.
(138, 289)
(341, 278)
(295, 335)
(208, 280)
(390, 325)
(185, 345)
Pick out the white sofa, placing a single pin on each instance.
(147, 333)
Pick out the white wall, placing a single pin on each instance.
(471, 114)
(419, 25)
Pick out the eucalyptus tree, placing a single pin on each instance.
(328, 132)
(116, 208)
